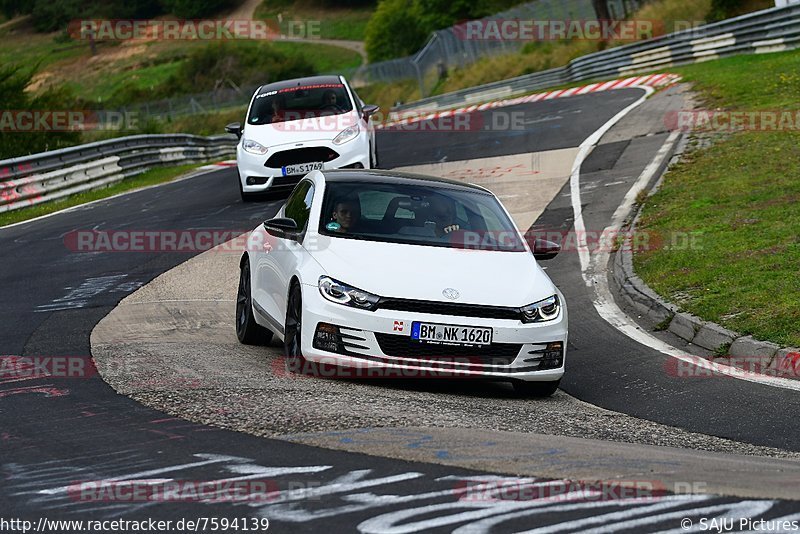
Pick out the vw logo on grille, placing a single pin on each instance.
(451, 293)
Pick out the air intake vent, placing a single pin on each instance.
(301, 155)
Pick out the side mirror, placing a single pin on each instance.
(545, 250)
(235, 128)
(282, 227)
(370, 110)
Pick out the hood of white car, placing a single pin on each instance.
(308, 130)
(418, 272)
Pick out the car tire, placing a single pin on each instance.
(293, 329)
(247, 330)
(536, 389)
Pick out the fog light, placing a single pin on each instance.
(553, 356)
(550, 357)
(327, 338)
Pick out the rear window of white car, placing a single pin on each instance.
(417, 214)
(297, 103)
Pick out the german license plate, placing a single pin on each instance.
(302, 168)
(451, 335)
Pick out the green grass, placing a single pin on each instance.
(206, 124)
(324, 58)
(163, 63)
(385, 95)
(333, 22)
(154, 67)
(139, 65)
(23, 47)
(149, 77)
(740, 198)
(776, 85)
(150, 177)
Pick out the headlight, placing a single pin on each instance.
(253, 147)
(340, 293)
(348, 134)
(544, 310)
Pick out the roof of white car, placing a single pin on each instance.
(379, 176)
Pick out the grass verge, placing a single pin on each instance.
(141, 65)
(150, 177)
(348, 23)
(739, 201)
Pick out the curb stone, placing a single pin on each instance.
(747, 346)
(636, 294)
(786, 361)
(685, 326)
(714, 335)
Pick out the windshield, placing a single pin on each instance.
(302, 102)
(417, 214)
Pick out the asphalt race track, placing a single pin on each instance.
(58, 432)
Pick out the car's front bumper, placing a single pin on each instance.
(368, 345)
(352, 153)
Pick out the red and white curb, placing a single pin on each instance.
(652, 80)
(218, 165)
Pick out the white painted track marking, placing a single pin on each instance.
(594, 270)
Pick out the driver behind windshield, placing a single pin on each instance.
(330, 101)
(345, 216)
(276, 109)
(443, 214)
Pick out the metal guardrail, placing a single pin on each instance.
(770, 30)
(37, 178)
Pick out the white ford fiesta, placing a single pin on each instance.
(396, 271)
(297, 126)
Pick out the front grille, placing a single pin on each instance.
(301, 155)
(405, 347)
(448, 308)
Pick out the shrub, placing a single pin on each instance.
(394, 30)
(241, 63)
(723, 9)
(13, 81)
(216, 65)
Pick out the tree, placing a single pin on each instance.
(394, 30)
